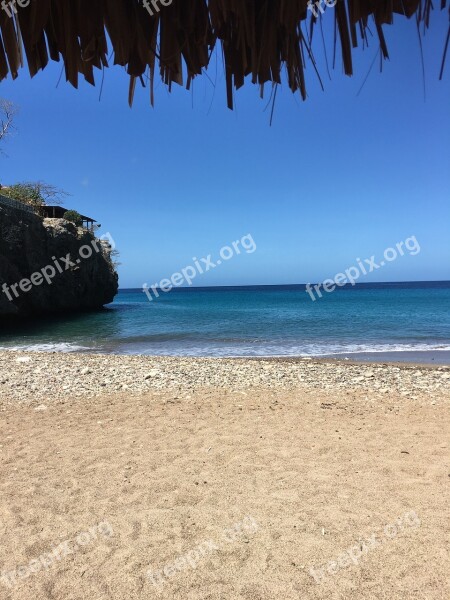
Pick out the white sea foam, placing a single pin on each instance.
(324, 350)
(265, 349)
(56, 347)
(253, 348)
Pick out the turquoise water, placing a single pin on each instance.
(391, 320)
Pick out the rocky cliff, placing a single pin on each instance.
(51, 266)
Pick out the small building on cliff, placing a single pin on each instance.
(58, 212)
(50, 266)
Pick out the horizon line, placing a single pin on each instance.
(300, 285)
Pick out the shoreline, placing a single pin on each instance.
(360, 358)
(170, 452)
(320, 455)
(36, 377)
(418, 358)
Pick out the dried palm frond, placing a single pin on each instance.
(258, 37)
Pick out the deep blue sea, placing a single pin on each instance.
(388, 321)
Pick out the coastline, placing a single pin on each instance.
(30, 377)
(388, 323)
(169, 453)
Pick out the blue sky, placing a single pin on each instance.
(337, 177)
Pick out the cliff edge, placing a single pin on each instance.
(51, 266)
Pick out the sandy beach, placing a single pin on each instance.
(140, 477)
(224, 311)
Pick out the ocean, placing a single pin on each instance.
(395, 321)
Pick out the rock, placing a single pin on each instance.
(29, 244)
(57, 377)
(151, 374)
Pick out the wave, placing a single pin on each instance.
(302, 353)
(251, 349)
(225, 349)
(385, 348)
(64, 347)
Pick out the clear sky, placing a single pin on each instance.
(335, 178)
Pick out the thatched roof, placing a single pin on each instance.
(258, 37)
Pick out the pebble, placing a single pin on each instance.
(153, 373)
(40, 378)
